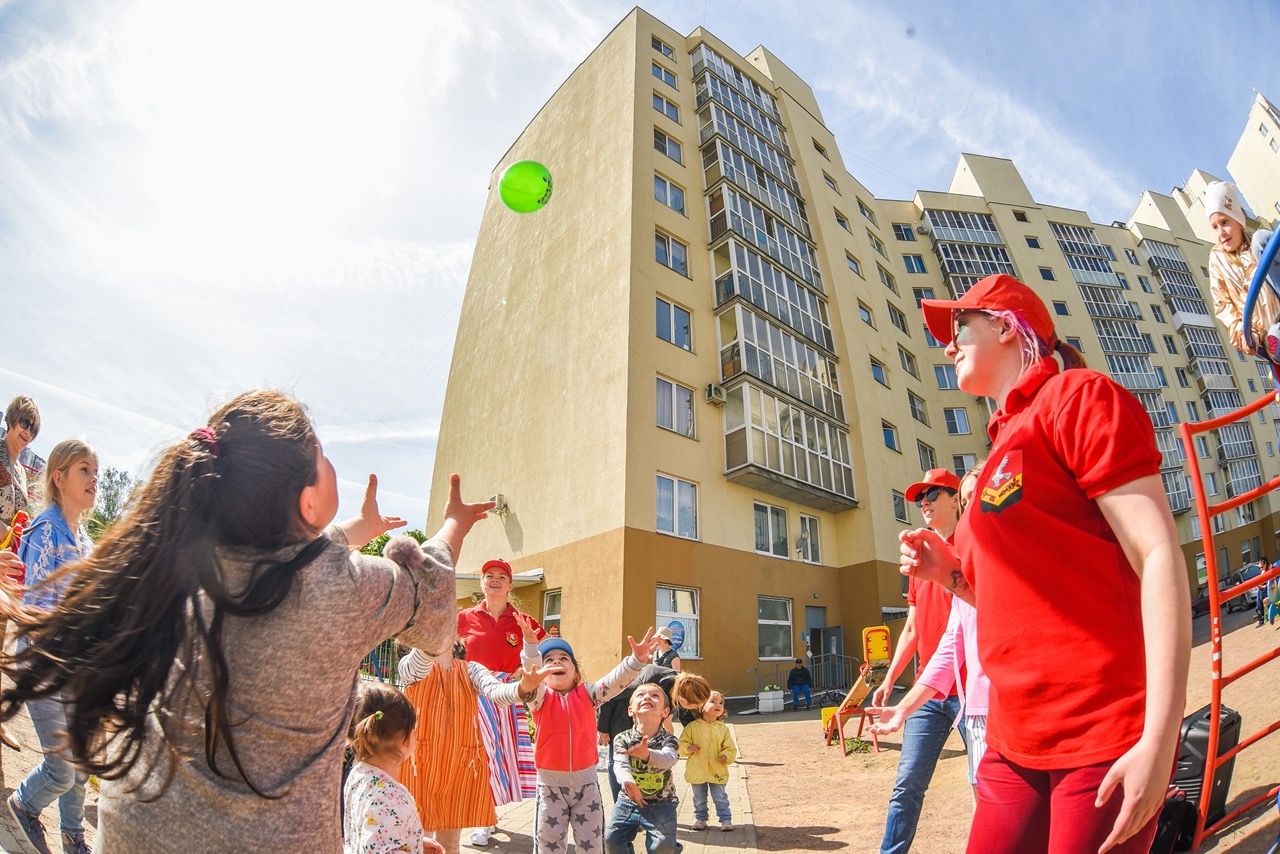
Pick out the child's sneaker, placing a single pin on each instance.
(1271, 344)
(481, 836)
(700, 824)
(75, 845)
(32, 829)
(726, 826)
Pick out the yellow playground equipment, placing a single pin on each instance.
(875, 666)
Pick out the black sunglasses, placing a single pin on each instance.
(27, 424)
(931, 494)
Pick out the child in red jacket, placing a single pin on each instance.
(564, 710)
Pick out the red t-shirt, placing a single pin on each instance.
(933, 608)
(1059, 612)
(493, 643)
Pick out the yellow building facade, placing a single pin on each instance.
(700, 381)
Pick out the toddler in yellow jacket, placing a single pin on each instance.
(710, 749)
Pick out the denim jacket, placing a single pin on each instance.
(48, 544)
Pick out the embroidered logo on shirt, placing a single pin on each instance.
(512, 640)
(1004, 489)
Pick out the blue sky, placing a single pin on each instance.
(201, 198)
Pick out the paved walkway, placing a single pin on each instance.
(515, 821)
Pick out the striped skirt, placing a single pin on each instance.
(505, 730)
(448, 773)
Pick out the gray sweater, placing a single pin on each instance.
(293, 692)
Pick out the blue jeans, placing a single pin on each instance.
(657, 820)
(795, 695)
(54, 777)
(923, 736)
(718, 795)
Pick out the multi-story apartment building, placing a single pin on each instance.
(1255, 163)
(701, 382)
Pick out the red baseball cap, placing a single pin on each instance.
(496, 563)
(994, 293)
(934, 477)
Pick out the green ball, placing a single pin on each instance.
(525, 186)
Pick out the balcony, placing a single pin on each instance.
(790, 489)
(1093, 277)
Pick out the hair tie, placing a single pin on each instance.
(378, 714)
(206, 437)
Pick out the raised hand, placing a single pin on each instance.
(459, 516)
(643, 648)
(370, 523)
(527, 628)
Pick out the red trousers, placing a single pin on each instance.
(1025, 811)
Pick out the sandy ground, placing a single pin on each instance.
(807, 797)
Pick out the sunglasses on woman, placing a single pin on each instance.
(30, 426)
(931, 494)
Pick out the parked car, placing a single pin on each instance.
(1200, 604)
(1251, 571)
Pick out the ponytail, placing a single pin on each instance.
(1071, 357)
(384, 718)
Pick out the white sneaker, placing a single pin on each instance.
(700, 824)
(481, 836)
(726, 826)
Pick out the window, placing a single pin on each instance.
(1204, 271)
(843, 222)
(817, 146)
(668, 193)
(771, 530)
(878, 373)
(890, 436)
(1195, 529)
(1123, 280)
(809, 540)
(1111, 253)
(1061, 308)
(887, 279)
(1160, 375)
(1136, 309)
(1171, 409)
(1182, 378)
(1047, 274)
(675, 407)
(1219, 525)
(899, 506)
(903, 232)
(670, 252)
(877, 244)
(961, 463)
(551, 609)
(1075, 342)
(1145, 284)
(1131, 256)
(678, 608)
(928, 457)
(1157, 314)
(674, 324)
(677, 507)
(1020, 216)
(1171, 345)
(865, 314)
(668, 146)
(665, 107)
(1193, 411)
(1252, 387)
(918, 411)
(930, 340)
(1151, 345)
(773, 623)
(855, 265)
(1033, 242)
(908, 363)
(830, 182)
(662, 47)
(957, 419)
(664, 75)
(897, 318)
(1210, 483)
(1263, 129)
(867, 212)
(921, 294)
(946, 376)
(913, 263)
(1202, 446)
(1271, 451)
(1275, 145)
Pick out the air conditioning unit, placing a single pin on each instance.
(922, 229)
(715, 394)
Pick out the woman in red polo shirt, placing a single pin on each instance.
(1071, 557)
(493, 638)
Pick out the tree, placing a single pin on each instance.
(115, 489)
(379, 542)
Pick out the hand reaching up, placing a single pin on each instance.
(459, 516)
(643, 649)
(527, 628)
